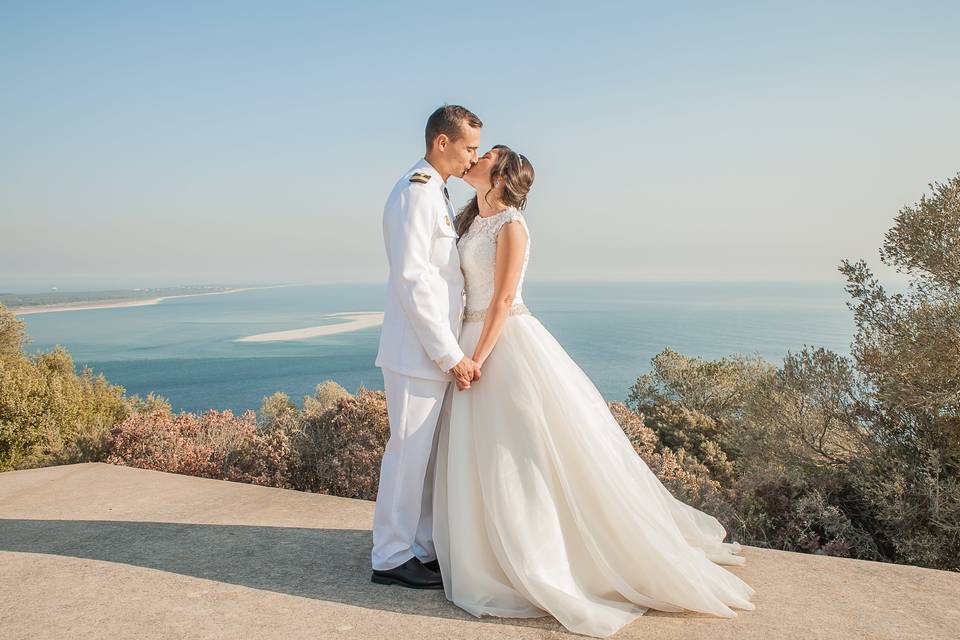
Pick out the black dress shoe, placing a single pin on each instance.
(411, 574)
(433, 565)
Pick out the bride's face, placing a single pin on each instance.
(479, 175)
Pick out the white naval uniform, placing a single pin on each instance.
(423, 313)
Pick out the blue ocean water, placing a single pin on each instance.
(183, 348)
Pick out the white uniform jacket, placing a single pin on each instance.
(423, 311)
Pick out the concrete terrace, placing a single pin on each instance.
(102, 551)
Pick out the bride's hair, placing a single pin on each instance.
(517, 175)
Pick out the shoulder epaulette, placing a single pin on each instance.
(422, 178)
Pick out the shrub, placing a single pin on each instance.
(48, 413)
(216, 444)
(339, 450)
(686, 478)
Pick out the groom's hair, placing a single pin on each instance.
(450, 120)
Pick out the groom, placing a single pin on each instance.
(419, 353)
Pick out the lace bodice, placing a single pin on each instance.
(478, 251)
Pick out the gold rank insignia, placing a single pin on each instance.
(447, 220)
(422, 178)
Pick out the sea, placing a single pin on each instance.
(185, 349)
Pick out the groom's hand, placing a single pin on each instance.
(465, 371)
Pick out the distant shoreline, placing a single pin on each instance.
(356, 320)
(132, 302)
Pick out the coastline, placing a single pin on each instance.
(131, 302)
(356, 320)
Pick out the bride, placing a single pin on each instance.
(541, 505)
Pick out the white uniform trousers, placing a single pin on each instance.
(403, 515)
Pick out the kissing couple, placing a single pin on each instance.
(506, 480)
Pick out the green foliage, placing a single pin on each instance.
(857, 456)
(804, 416)
(925, 238)
(907, 347)
(716, 388)
(684, 475)
(681, 429)
(48, 413)
(277, 412)
(696, 406)
(12, 334)
(326, 395)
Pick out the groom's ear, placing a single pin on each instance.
(442, 141)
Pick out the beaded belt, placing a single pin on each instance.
(473, 316)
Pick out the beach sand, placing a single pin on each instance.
(355, 320)
(133, 302)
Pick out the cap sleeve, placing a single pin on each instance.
(508, 216)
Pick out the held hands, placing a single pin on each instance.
(466, 371)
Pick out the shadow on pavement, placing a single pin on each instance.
(325, 564)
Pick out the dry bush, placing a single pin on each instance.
(338, 450)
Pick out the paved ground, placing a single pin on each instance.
(100, 551)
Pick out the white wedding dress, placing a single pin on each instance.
(541, 505)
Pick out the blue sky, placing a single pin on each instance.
(179, 143)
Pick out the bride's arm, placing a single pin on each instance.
(511, 245)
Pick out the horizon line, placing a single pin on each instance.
(82, 288)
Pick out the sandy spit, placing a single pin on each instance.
(113, 304)
(355, 320)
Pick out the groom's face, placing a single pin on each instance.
(462, 152)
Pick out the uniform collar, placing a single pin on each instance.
(425, 167)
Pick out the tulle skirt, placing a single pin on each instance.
(542, 506)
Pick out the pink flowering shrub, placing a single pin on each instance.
(215, 444)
